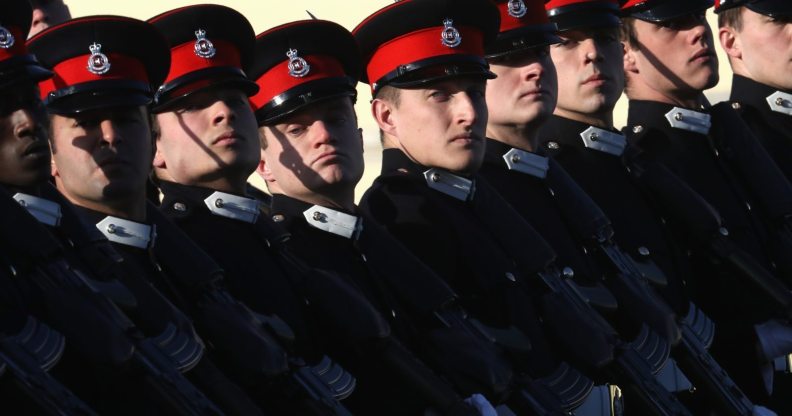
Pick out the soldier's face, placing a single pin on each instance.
(525, 90)
(675, 59)
(102, 157)
(442, 125)
(765, 47)
(590, 72)
(211, 137)
(24, 151)
(317, 151)
(48, 13)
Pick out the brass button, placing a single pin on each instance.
(723, 231)
(111, 229)
(678, 116)
(511, 277)
(736, 106)
(435, 177)
(515, 158)
(318, 216)
(643, 251)
(219, 203)
(637, 129)
(780, 101)
(552, 145)
(594, 137)
(278, 218)
(180, 207)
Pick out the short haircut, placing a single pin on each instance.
(389, 94)
(731, 18)
(627, 32)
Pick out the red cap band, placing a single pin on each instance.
(184, 60)
(18, 48)
(554, 4)
(420, 45)
(75, 71)
(534, 15)
(631, 3)
(277, 80)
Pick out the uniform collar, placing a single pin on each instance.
(286, 209)
(661, 115)
(45, 211)
(232, 206)
(440, 180)
(120, 230)
(126, 232)
(746, 91)
(515, 159)
(577, 134)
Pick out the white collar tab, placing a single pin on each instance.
(684, 119)
(332, 221)
(780, 102)
(450, 184)
(44, 210)
(527, 162)
(130, 233)
(233, 206)
(604, 140)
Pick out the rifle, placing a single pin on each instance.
(686, 207)
(28, 356)
(627, 367)
(70, 298)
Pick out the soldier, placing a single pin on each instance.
(207, 147)
(540, 188)
(428, 102)
(669, 61)
(47, 13)
(25, 383)
(755, 36)
(72, 277)
(115, 202)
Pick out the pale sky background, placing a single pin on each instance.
(264, 14)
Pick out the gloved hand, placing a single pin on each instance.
(480, 403)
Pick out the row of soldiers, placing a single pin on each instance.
(518, 255)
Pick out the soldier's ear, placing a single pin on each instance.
(730, 42)
(630, 65)
(264, 170)
(159, 159)
(382, 110)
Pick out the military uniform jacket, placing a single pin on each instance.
(325, 321)
(473, 240)
(405, 290)
(253, 273)
(717, 156)
(768, 112)
(599, 171)
(519, 177)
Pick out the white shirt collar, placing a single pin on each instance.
(452, 185)
(44, 210)
(684, 119)
(780, 102)
(527, 162)
(332, 221)
(604, 140)
(233, 206)
(130, 233)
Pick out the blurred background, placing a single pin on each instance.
(264, 14)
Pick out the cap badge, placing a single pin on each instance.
(451, 36)
(298, 67)
(204, 47)
(517, 8)
(6, 38)
(98, 63)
